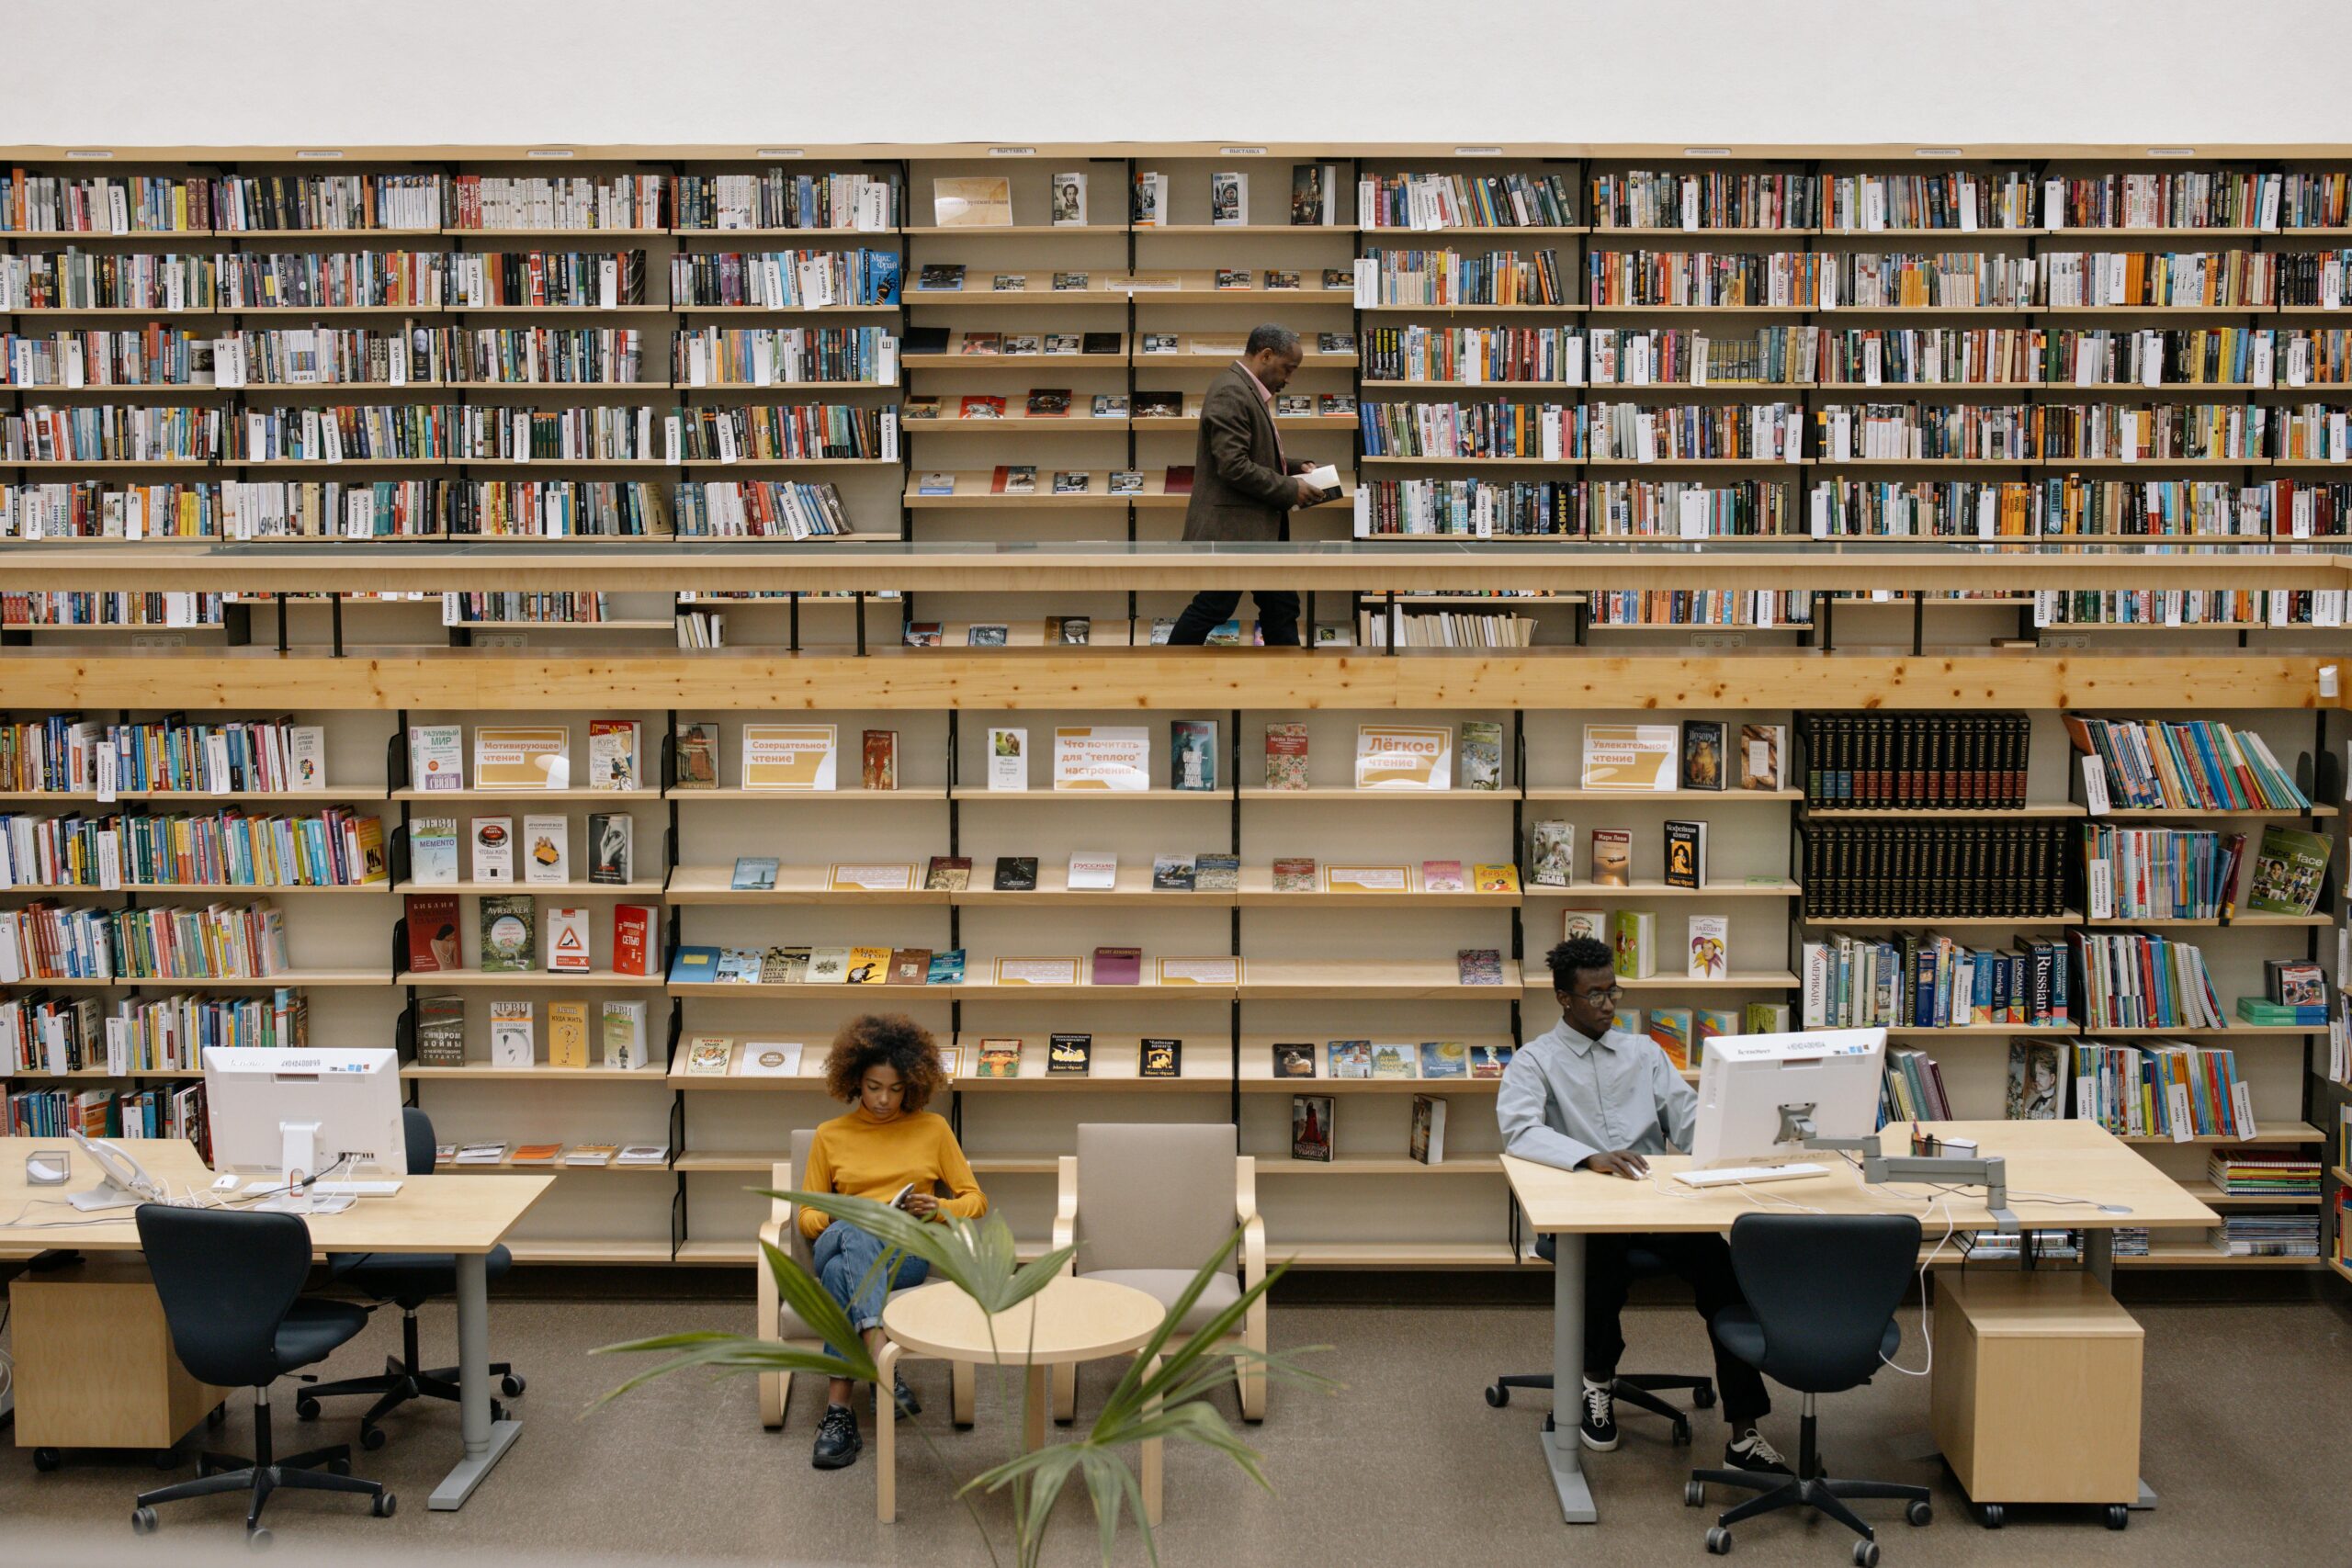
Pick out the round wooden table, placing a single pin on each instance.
(1071, 1320)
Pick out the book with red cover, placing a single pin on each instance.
(1180, 479)
(976, 406)
(1118, 966)
(634, 947)
(433, 934)
(1014, 478)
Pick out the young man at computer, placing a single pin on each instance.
(1586, 1095)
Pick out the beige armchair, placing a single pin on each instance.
(779, 1323)
(1146, 1205)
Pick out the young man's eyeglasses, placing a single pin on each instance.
(1614, 993)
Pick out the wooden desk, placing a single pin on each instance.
(463, 1215)
(2066, 1159)
(1071, 1320)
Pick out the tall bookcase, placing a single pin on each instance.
(1350, 968)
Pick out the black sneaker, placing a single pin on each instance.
(1596, 1424)
(1750, 1451)
(904, 1397)
(837, 1439)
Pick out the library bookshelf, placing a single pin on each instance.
(1341, 963)
(2181, 549)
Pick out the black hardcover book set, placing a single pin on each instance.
(1895, 761)
(1936, 870)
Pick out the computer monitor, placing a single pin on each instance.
(1760, 1095)
(296, 1113)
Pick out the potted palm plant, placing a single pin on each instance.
(977, 1258)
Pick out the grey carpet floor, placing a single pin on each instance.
(2248, 1429)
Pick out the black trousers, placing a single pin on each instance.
(1277, 615)
(1702, 1261)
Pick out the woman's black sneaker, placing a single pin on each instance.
(837, 1439)
(900, 1394)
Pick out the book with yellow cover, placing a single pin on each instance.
(536, 1154)
(567, 1034)
(868, 967)
(521, 757)
(1495, 878)
(999, 1059)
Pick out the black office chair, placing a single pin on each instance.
(409, 1280)
(1822, 1290)
(232, 1289)
(1640, 1390)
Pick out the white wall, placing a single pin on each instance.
(166, 72)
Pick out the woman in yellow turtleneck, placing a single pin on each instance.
(885, 1068)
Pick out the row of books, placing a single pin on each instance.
(1828, 281)
(155, 356)
(230, 849)
(2137, 980)
(1902, 761)
(2266, 1236)
(2188, 607)
(784, 280)
(323, 280)
(1701, 607)
(2168, 1089)
(784, 197)
(1056, 402)
(1924, 980)
(507, 938)
(67, 754)
(694, 965)
(53, 942)
(2055, 432)
(2194, 765)
(449, 433)
(618, 1027)
(174, 1112)
(1955, 870)
(40, 1033)
(67, 609)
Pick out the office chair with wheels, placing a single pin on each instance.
(1822, 1290)
(1640, 1390)
(408, 1279)
(232, 1289)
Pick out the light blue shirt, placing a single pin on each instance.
(1566, 1097)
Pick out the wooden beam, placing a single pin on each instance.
(810, 152)
(729, 679)
(321, 566)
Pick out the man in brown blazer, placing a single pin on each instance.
(1243, 488)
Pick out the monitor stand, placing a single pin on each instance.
(98, 1200)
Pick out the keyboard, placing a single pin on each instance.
(1741, 1175)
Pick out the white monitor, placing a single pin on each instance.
(1828, 1077)
(294, 1114)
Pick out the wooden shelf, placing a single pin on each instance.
(1934, 922)
(829, 797)
(2192, 1255)
(183, 796)
(1372, 980)
(549, 1167)
(1362, 1165)
(526, 1250)
(1327, 793)
(528, 979)
(582, 889)
(1391, 1254)
(1973, 1031)
(2212, 1197)
(2264, 1132)
(1897, 813)
(794, 885)
(1738, 980)
(1597, 893)
(482, 1072)
(1257, 892)
(2192, 812)
(2128, 922)
(291, 979)
(1132, 891)
(465, 796)
(1677, 796)
(205, 889)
